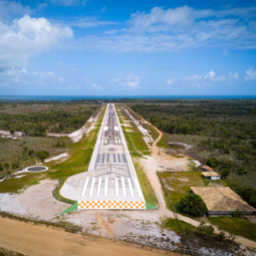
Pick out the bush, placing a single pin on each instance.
(30, 152)
(6, 165)
(225, 172)
(193, 205)
(221, 236)
(237, 214)
(249, 195)
(1, 167)
(242, 171)
(15, 165)
(204, 230)
(43, 154)
(212, 162)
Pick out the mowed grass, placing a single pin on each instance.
(80, 155)
(150, 129)
(145, 185)
(162, 143)
(134, 138)
(178, 184)
(172, 224)
(237, 226)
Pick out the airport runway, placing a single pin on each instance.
(111, 181)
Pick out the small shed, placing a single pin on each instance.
(211, 175)
(207, 168)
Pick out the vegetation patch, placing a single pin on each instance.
(237, 226)
(145, 185)
(177, 227)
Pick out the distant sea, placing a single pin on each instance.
(114, 97)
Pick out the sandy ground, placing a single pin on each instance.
(61, 156)
(41, 241)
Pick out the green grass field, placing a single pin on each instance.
(172, 224)
(237, 226)
(136, 144)
(145, 185)
(162, 143)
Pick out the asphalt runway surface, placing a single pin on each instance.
(111, 176)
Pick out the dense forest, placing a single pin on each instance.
(229, 129)
(39, 118)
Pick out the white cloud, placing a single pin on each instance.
(130, 80)
(96, 86)
(210, 75)
(26, 38)
(233, 75)
(69, 2)
(171, 30)
(193, 78)
(171, 81)
(20, 76)
(90, 22)
(250, 74)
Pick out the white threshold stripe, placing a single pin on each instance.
(130, 186)
(92, 186)
(85, 186)
(116, 186)
(123, 186)
(106, 187)
(138, 187)
(99, 187)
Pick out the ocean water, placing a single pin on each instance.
(115, 97)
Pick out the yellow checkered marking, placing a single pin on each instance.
(111, 205)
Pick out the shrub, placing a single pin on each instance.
(15, 165)
(237, 214)
(204, 230)
(1, 167)
(225, 172)
(6, 165)
(43, 154)
(193, 205)
(242, 171)
(249, 195)
(221, 236)
(30, 152)
(212, 162)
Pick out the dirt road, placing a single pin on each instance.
(42, 241)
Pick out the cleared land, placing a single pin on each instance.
(37, 240)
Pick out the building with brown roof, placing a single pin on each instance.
(211, 175)
(207, 168)
(222, 201)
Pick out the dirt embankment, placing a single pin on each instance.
(41, 241)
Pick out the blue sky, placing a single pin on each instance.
(94, 47)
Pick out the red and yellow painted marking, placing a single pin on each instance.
(111, 205)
